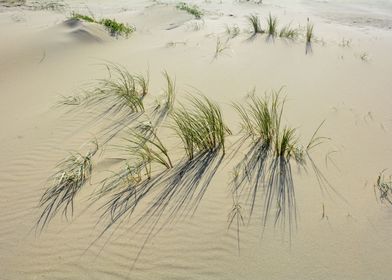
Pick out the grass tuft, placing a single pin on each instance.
(116, 28)
(191, 9)
(272, 26)
(383, 188)
(82, 17)
(254, 22)
(309, 33)
(288, 32)
(232, 31)
(220, 47)
(200, 127)
(72, 174)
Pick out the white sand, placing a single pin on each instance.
(42, 58)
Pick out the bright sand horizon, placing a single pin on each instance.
(342, 229)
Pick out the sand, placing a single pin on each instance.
(44, 56)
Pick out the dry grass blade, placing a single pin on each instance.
(289, 33)
(72, 174)
(272, 26)
(383, 188)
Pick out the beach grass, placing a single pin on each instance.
(200, 126)
(72, 173)
(309, 32)
(232, 31)
(191, 9)
(254, 22)
(116, 28)
(220, 47)
(288, 32)
(272, 25)
(86, 18)
(383, 188)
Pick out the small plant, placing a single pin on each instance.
(254, 22)
(72, 174)
(232, 31)
(309, 33)
(117, 28)
(288, 32)
(195, 25)
(345, 43)
(82, 17)
(261, 117)
(383, 188)
(191, 9)
(220, 47)
(364, 56)
(114, 28)
(200, 127)
(272, 26)
(147, 148)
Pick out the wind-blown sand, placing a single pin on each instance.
(44, 55)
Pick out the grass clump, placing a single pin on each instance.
(309, 32)
(116, 28)
(200, 127)
(255, 25)
(288, 33)
(82, 17)
(232, 31)
(191, 9)
(383, 188)
(148, 149)
(260, 118)
(72, 174)
(220, 47)
(272, 26)
(121, 90)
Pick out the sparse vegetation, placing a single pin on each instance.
(52, 5)
(254, 22)
(220, 47)
(232, 31)
(82, 17)
(114, 27)
(266, 166)
(383, 188)
(272, 26)
(309, 32)
(288, 32)
(72, 173)
(191, 9)
(117, 28)
(201, 127)
(345, 43)
(364, 56)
